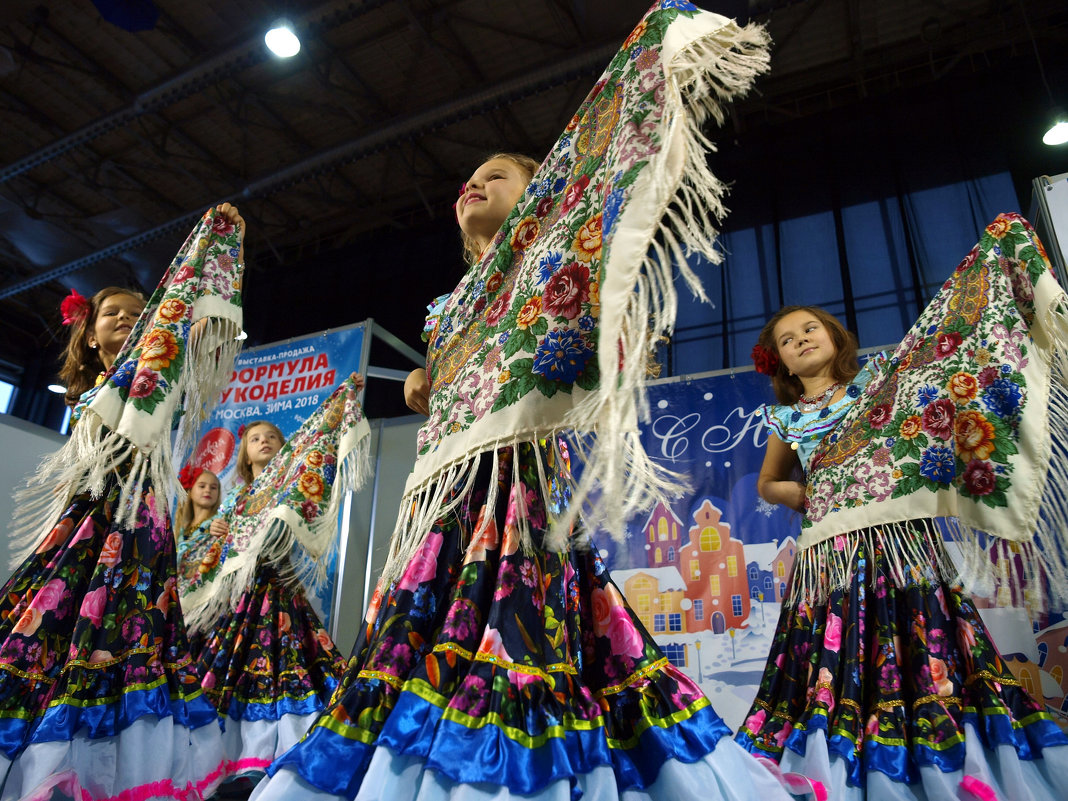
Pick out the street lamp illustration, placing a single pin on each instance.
(734, 655)
(760, 597)
(697, 645)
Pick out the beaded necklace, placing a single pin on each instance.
(807, 404)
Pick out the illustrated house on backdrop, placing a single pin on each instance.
(758, 569)
(714, 569)
(657, 595)
(662, 537)
(1053, 662)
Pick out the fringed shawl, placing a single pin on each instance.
(178, 357)
(294, 502)
(967, 421)
(552, 330)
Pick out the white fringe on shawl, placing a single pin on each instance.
(1030, 571)
(705, 71)
(286, 530)
(95, 450)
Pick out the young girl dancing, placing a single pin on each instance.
(882, 681)
(192, 521)
(99, 327)
(267, 663)
(98, 695)
(195, 512)
(510, 671)
(498, 659)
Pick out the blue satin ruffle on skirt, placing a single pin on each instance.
(901, 763)
(239, 710)
(62, 721)
(485, 754)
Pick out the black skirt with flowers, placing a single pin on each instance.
(92, 644)
(891, 676)
(488, 665)
(268, 664)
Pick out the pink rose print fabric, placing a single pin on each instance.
(525, 648)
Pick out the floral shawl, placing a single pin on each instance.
(957, 425)
(553, 328)
(294, 502)
(178, 356)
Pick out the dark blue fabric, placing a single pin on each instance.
(61, 722)
(415, 727)
(283, 706)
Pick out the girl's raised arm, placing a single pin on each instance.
(775, 483)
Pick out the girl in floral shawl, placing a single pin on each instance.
(882, 680)
(267, 663)
(493, 670)
(99, 698)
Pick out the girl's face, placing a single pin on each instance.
(114, 320)
(205, 491)
(488, 197)
(263, 443)
(804, 343)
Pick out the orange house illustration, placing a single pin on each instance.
(656, 596)
(714, 568)
(662, 537)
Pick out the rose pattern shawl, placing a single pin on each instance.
(295, 501)
(552, 329)
(178, 356)
(959, 424)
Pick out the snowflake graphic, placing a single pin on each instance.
(765, 508)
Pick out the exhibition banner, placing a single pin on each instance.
(706, 574)
(283, 383)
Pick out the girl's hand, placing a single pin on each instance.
(358, 382)
(233, 216)
(219, 527)
(417, 391)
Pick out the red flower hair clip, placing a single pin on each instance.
(188, 476)
(765, 359)
(75, 308)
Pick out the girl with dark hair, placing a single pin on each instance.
(99, 697)
(99, 327)
(882, 681)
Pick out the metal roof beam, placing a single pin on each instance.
(406, 128)
(185, 83)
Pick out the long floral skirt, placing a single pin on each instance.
(489, 672)
(99, 697)
(269, 668)
(899, 691)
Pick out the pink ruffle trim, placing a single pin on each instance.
(67, 783)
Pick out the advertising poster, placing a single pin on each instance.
(283, 383)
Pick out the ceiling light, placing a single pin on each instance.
(59, 389)
(1058, 131)
(281, 40)
(242, 336)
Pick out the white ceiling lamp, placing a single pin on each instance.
(1058, 131)
(59, 389)
(281, 40)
